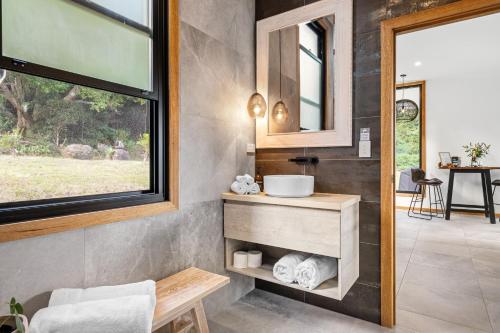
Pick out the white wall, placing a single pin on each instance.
(459, 63)
(460, 110)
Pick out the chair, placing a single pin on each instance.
(495, 184)
(436, 204)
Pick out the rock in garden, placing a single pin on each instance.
(121, 155)
(79, 152)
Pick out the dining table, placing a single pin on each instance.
(488, 204)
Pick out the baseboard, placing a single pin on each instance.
(427, 210)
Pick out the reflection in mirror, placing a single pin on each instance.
(301, 59)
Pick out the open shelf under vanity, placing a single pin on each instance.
(329, 288)
(324, 224)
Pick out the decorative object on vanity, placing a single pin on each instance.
(476, 152)
(303, 160)
(289, 186)
(254, 259)
(315, 270)
(406, 109)
(245, 185)
(257, 106)
(284, 269)
(304, 68)
(96, 310)
(445, 159)
(324, 224)
(240, 259)
(15, 322)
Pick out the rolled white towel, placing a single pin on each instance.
(73, 296)
(130, 314)
(316, 270)
(239, 188)
(253, 189)
(245, 179)
(284, 269)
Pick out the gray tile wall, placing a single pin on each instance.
(340, 170)
(217, 77)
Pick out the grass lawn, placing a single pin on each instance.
(31, 178)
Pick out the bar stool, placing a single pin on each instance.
(495, 183)
(436, 207)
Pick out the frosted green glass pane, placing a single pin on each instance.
(136, 10)
(67, 36)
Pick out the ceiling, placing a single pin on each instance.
(462, 49)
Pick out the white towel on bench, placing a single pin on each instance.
(73, 296)
(129, 314)
(316, 270)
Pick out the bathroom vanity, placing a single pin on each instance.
(325, 224)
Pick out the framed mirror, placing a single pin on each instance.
(304, 69)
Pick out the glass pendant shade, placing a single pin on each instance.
(280, 112)
(257, 106)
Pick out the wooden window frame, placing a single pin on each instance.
(454, 12)
(39, 227)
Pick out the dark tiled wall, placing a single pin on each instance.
(340, 169)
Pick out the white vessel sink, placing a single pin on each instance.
(289, 186)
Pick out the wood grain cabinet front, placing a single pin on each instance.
(325, 224)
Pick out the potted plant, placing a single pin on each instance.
(476, 152)
(16, 322)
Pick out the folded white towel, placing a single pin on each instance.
(73, 296)
(253, 189)
(246, 179)
(284, 269)
(316, 270)
(130, 314)
(239, 188)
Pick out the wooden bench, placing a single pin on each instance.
(181, 295)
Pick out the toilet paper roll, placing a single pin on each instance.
(240, 259)
(254, 259)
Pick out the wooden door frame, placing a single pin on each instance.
(458, 11)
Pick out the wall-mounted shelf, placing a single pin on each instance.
(329, 288)
(326, 224)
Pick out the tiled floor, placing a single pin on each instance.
(448, 274)
(264, 312)
(448, 281)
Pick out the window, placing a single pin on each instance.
(312, 69)
(82, 106)
(410, 136)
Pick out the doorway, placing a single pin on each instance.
(459, 11)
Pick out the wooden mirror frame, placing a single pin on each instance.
(341, 136)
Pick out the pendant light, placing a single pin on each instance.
(406, 109)
(280, 110)
(257, 106)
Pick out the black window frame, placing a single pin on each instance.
(13, 212)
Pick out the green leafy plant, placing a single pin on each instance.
(9, 141)
(16, 310)
(144, 143)
(477, 150)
